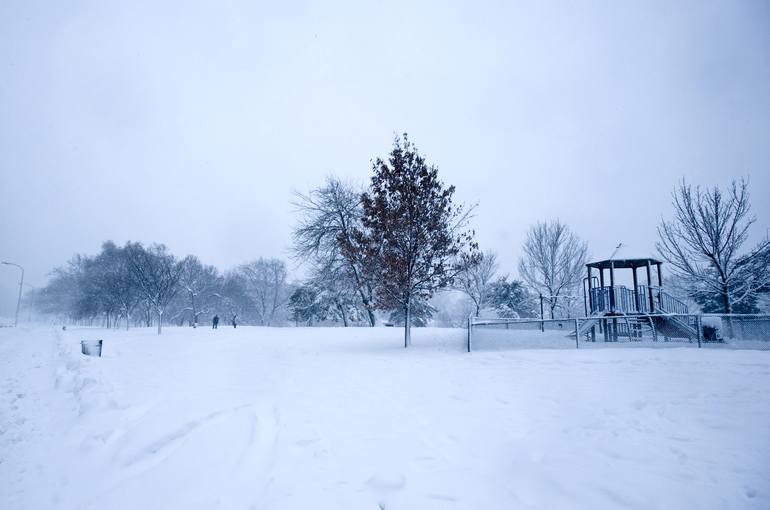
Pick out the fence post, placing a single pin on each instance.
(700, 328)
(469, 333)
(577, 333)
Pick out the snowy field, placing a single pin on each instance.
(346, 419)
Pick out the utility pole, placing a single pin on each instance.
(21, 284)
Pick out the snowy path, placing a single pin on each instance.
(331, 418)
(31, 411)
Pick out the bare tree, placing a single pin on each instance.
(703, 243)
(475, 280)
(266, 285)
(553, 262)
(62, 296)
(89, 287)
(328, 216)
(95, 289)
(155, 273)
(234, 297)
(200, 285)
(337, 294)
(116, 280)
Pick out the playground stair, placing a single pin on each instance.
(636, 327)
(676, 327)
(632, 326)
(669, 319)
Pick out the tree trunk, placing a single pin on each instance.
(365, 300)
(372, 318)
(341, 308)
(728, 309)
(369, 312)
(726, 301)
(408, 325)
(194, 313)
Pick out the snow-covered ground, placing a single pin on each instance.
(346, 419)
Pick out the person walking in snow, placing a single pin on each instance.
(235, 324)
(216, 321)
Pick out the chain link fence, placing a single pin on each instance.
(736, 331)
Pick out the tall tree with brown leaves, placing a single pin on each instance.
(412, 239)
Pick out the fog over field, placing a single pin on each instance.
(192, 124)
(384, 255)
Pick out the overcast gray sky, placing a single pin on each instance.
(190, 123)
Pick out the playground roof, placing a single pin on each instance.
(623, 263)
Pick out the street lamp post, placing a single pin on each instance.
(21, 284)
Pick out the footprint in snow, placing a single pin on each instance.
(307, 442)
(386, 483)
(442, 497)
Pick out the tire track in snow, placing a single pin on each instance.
(232, 450)
(165, 445)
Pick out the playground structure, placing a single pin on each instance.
(619, 313)
(616, 310)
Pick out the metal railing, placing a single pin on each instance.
(621, 299)
(669, 304)
(736, 331)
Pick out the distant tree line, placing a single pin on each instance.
(400, 251)
(148, 286)
(356, 241)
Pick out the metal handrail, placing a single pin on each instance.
(625, 300)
